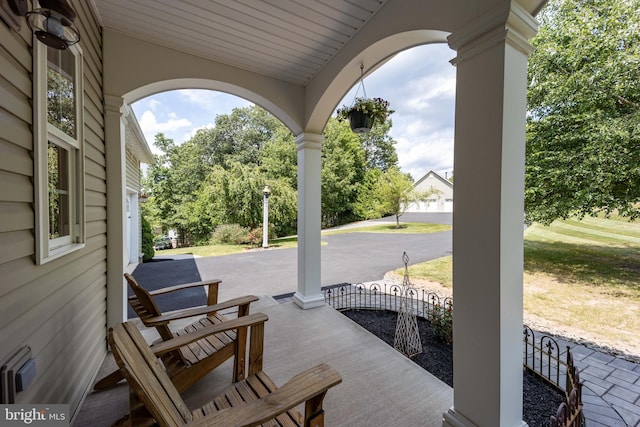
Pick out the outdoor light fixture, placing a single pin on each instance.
(52, 23)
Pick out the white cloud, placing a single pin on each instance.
(151, 126)
(154, 104)
(420, 154)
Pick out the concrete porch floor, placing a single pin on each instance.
(380, 386)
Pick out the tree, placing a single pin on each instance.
(379, 147)
(351, 165)
(396, 193)
(279, 157)
(342, 171)
(367, 205)
(583, 126)
(234, 196)
(239, 136)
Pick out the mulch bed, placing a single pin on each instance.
(540, 400)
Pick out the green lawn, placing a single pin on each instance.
(218, 250)
(595, 250)
(292, 242)
(581, 276)
(405, 228)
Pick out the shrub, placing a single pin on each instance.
(442, 322)
(255, 235)
(147, 240)
(230, 234)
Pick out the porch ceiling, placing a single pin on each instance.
(286, 39)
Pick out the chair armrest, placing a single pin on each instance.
(301, 388)
(182, 340)
(185, 286)
(169, 316)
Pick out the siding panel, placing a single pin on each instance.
(15, 159)
(15, 188)
(94, 169)
(15, 72)
(17, 45)
(16, 244)
(11, 99)
(16, 216)
(58, 308)
(15, 130)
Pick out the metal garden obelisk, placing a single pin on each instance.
(407, 339)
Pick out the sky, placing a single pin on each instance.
(419, 83)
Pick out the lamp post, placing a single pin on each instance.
(265, 220)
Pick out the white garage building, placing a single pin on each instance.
(441, 200)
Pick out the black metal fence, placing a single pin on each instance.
(543, 358)
(377, 296)
(540, 356)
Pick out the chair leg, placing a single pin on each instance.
(139, 416)
(316, 421)
(109, 381)
(313, 412)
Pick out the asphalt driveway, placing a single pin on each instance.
(346, 258)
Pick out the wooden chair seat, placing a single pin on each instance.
(254, 388)
(253, 400)
(206, 347)
(188, 364)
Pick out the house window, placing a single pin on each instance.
(58, 151)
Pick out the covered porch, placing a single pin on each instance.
(380, 386)
(296, 59)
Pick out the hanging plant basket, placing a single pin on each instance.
(360, 122)
(364, 113)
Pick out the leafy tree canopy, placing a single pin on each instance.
(343, 164)
(379, 148)
(583, 128)
(218, 175)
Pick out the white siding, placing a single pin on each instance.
(58, 309)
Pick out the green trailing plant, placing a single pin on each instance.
(377, 108)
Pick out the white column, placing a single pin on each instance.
(309, 294)
(116, 209)
(488, 218)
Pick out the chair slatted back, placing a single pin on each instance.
(145, 307)
(146, 376)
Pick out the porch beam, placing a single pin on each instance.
(489, 156)
(309, 147)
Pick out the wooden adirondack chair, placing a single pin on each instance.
(251, 401)
(187, 364)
